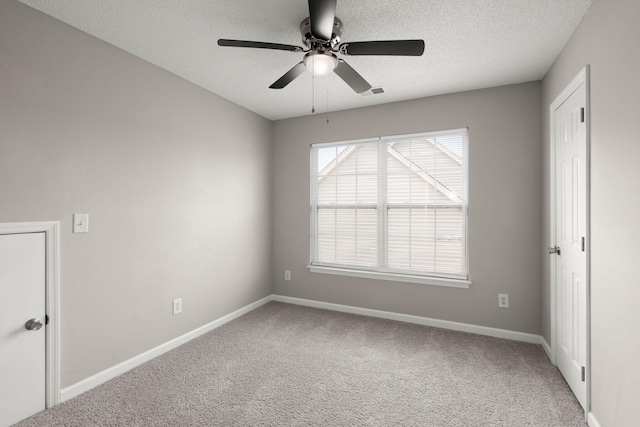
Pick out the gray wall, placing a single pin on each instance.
(176, 181)
(608, 39)
(85, 127)
(505, 194)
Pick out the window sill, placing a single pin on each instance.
(395, 277)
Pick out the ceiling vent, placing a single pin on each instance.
(373, 91)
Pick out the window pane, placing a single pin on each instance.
(367, 237)
(326, 235)
(423, 248)
(367, 189)
(328, 159)
(450, 241)
(411, 189)
(346, 188)
(426, 239)
(398, 235)
(348, 236)
(412, 239)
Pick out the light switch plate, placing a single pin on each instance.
(80, 223)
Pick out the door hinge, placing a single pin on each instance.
(46, 319)
(584, 374)
(583, 244)
(582, 115)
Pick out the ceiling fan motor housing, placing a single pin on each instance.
(315, 44)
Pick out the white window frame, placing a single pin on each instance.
(427, 279)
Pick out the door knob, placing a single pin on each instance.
(554, 250)
(33, 324)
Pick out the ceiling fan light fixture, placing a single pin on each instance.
(320, 64)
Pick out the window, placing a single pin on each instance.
(392, 207)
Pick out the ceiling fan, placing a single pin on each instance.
(321, 33)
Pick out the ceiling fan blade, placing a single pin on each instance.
(322, 14)
(351, 77)
(259, 45)
(384, 47)
(289, 76)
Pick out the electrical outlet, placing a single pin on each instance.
(503, 300)
(287, 275)
(177, 306)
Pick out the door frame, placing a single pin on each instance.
(583, 77)
(51, 229)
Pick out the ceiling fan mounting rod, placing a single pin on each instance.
(319, 45)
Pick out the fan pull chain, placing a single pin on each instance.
(313, 93)
(327, 106)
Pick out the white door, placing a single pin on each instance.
(22, 351)
(570, 233)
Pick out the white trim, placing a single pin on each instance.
(104, 376)
(110, 373)
(587, 119)
(51, 229)
(422, 134)
(418, 320)
(395, 277)
(384, 148)
(583, 77)
(546, 347)
(593, 422)
(347, 142)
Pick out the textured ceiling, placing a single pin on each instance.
(470, 44)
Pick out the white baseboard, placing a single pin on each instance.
(104, 376)
(444, 324)
(547, 349)
(592, 420)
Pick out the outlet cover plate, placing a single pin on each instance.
(177, 306)
(503, 300)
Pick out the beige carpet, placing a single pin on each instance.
(285, 365)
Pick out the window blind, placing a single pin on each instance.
(393, 204)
